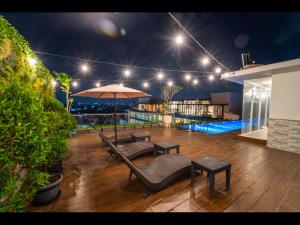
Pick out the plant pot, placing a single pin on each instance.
(48, 193)
(56, 168)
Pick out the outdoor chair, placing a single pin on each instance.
(123, 138)
(159, 172)
(131, 150)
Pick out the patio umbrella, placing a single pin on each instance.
(112, 91)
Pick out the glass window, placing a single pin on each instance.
(255, 107)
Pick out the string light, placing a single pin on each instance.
(97, 84)
(218, 70)
(179, 39)
(188, 77)
(205, 60)
(127, 72)
(54, 83)
(211, 77)
(74, 84)
(194, 39)
(145, 84)
(195, 81)
(170, 83)
(118, 64)
(160, 76)
(32, 61)
(84, 68)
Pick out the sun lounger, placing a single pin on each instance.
(131, 150)
(157, 173)
(123, 138)
(160, 171)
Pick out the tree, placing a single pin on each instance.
(65, 83)
(168, 93)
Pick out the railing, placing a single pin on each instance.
(105, 121)
(133, 119)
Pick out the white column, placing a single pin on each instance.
(266, 110)
(251, 110)
(259, 109)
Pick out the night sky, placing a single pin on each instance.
(146, 39)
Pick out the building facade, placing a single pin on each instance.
(221, 105)
(271, 104)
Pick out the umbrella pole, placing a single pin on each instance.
(115, 115)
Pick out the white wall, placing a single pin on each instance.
(285, 96)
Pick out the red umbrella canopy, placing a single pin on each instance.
(111, 91)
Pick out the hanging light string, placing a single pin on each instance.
(121, 65)
(194, 39)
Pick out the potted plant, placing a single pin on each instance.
(167, 93)
(60, 126)
(59, 129)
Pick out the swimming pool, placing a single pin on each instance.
(215, 127)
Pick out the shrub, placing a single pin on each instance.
(60, 124)
(23, 145)
(34, 126)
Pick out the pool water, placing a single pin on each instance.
(215, 127)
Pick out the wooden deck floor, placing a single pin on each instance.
(262, 179)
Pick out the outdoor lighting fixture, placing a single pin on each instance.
(218, 70)
(97, 84)
(211, 77)
(179, 39)
(160, 75)
(32, 61)
(74, 84)
(145, 84)
(84, 68)
(226, 74)
(187, 77)
(205, 61)
(54, 83)
(195, 81)
(170, 83)
(127, 72)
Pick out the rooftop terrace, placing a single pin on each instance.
(263, 179)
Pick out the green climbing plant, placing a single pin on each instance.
(34, 125)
